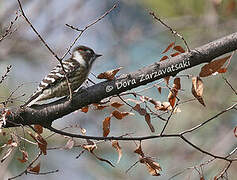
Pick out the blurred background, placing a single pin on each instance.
(127, 37)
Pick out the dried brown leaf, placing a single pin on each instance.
(24, 157)
(152, 166)
(10, 141)
(179, 48)
(42, 144)
(169, 46)
(137, 107)
(106, 126)
(164, 106)
(109, 75)
(177, 84)
(148, 121)
(116, 145)
(167, 79)
(154, 102)
(163, 58)
(85, 109)
(222, 70)
(159, 89)
(38, 129)
(197, 89)
(33, 136)
(174, 92)
(175, 54)
(35, 169)
(116, 104)
(139, 151)
(172, 97)
(117, 114)
(213, 67)
(120, 115)
(89, 147)
(140, 110)
(235, 131)
(100, 107)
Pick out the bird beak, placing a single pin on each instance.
(98, 55)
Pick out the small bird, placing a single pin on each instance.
(77, 69)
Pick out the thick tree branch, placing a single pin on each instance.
(47, 113)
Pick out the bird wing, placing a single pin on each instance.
(55, 76)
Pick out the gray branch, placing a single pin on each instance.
(45, 114)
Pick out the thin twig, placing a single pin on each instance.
(232, 152)
(210, 119)
(8, 30)
(229, 84)
(24, 139)
(109, 138)
(224, 171)
(181, 172)
(193, 167)
(203, 151)
(36, 32)
(44, 173)
(171, 113)
(85, 28)
(26, 170)
(6, 73)
(124, 101)
(156, 114)
(47, 46)
(207, 162)
(131, 167)
(186, 101)
(139, 139)
(134, 93)
(49, 136)
(9, 99)
(72, 27)
(152, 86)
(79, 155)
(172, 31)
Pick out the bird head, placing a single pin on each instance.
(85, 55)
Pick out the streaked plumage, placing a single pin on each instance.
(77, 69)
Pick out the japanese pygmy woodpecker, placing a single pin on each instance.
(77, 69)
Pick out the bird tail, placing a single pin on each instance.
(33, 99)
